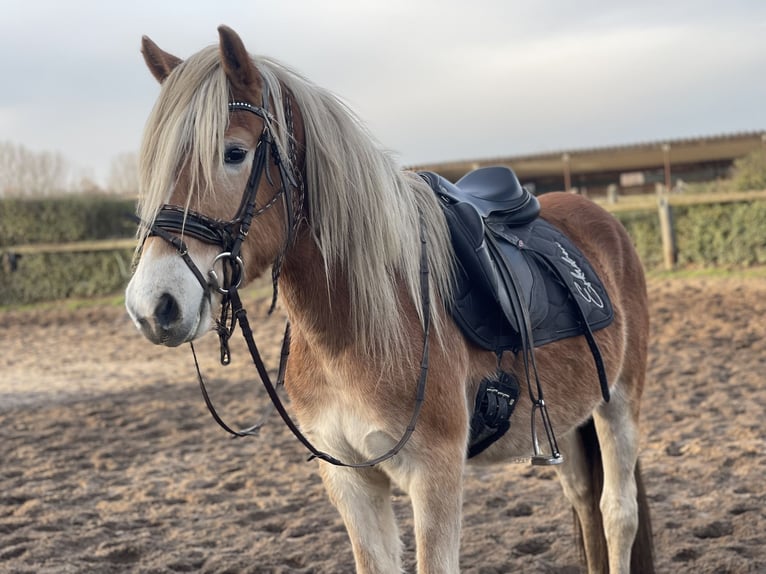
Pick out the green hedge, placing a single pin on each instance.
(52, 276)
(65, 219)
(644, 228)
(727, 234)
(724, 234)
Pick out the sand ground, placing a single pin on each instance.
(109, 461)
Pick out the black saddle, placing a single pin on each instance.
(506, 252)
(520, 282)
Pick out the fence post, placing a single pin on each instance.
(666, 231)
(612, 193)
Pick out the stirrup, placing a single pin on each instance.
(539, 458)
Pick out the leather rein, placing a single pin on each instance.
(173, 222)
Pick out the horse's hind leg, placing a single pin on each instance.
(617, 429)
(363, 498)
(581, 479)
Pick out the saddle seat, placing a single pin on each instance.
(494, 192)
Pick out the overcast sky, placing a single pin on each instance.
(434, 80)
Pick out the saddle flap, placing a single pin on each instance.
(527, 282)
(481, 292)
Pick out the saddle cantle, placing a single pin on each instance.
(520, 282)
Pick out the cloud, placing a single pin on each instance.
(434, 80)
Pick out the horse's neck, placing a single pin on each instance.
(317, 307)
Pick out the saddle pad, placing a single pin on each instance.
(552, 274)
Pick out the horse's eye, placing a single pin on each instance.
(234, 155)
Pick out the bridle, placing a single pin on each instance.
(230, 235)
(173, 222)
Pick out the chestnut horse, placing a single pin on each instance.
(340, 226)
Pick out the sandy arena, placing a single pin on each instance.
(111, 463)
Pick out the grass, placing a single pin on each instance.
(259, 289)
(711, 272)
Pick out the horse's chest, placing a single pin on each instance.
(335, 414)
(344, 426)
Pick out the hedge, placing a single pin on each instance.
(65, 219)
(726, 234)
(644, 228)
(52, 276)
(707, 235)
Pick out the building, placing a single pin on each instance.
(635, 168)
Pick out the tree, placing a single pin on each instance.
(27, 173)
(123, 174)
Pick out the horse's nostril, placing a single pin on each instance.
(167, 312)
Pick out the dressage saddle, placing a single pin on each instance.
(520, 284)
(510, 260)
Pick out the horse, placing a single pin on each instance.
(342, 228)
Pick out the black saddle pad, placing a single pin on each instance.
(552, 274)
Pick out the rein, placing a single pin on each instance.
(230, 236)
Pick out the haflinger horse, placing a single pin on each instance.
(344, 232)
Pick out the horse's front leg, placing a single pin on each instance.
(436, 491)
(363, 498)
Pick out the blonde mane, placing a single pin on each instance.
(363, 210)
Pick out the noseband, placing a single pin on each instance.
(173, 222)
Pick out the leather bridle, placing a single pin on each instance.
(230, 235)
(173, 222)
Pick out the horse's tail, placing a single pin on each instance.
(642, 553)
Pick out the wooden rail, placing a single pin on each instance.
(70, 247)
(648, 202)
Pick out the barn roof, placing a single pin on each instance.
(620, 158)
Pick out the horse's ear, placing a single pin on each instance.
(160, 63)
(236, 61)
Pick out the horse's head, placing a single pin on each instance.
(219, 194)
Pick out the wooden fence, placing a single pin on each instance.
(648, 202)
(71, 247)
(9, 255)
(663, 203)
